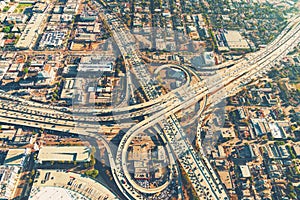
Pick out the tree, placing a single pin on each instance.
(93, 173)
(25, 70)
(92, 162)
(279, 143)
(32, 172)
(6, 29)
(10, 36)
(292, 195)
(5, 9)
(85, 165)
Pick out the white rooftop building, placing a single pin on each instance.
(245, 171)
(276, 131)
(52, 39)
(64, 153)
(235, 40)
(96, 64)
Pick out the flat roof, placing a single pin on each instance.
(8, 181)
(55, 193)
(7, 134)
(297, 149)
(275, 131)
(235, 40)
(29, 34)
(68, 90)
(15, 156)
(64, 153)
(96, 63)
(68, 180)
(245, 171)
(226, 179)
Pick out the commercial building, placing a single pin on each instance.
(16, 18)
(68, 89)
(260, 126)
(245, 172)
(9, 176)
(204, 60)
(71, 7)
(85, 37)
(70, 71)
(30, 34)
(141, 170)
(88, 16)
(246, 152)
(7, 134)
(53, 184)
(96, 64)
(235, 41)
(226, 179)
(21, 137)
(16, 157)
(277, 132)
(52, 39)
(39, 7)
(64, 154)
(46, 76)
(296, 149)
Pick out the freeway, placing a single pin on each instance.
(201, 175)
(230, 77)
(124, 41)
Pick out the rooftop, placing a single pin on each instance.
(297, 149)
(96, 63)
(64, 153)
(72, 186)
(47, 193)
(15, 157)
(245, 171)
(8, 179)
(235, 40)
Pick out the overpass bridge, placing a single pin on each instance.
(202, 177)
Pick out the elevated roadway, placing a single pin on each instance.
(202, 176)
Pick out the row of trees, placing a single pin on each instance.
(92, 173)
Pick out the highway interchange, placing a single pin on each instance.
(160, 108)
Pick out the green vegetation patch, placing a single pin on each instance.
(7, 29)
(5, 9)
(22, 6)
(92, 173)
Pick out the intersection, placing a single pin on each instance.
(161, 110)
